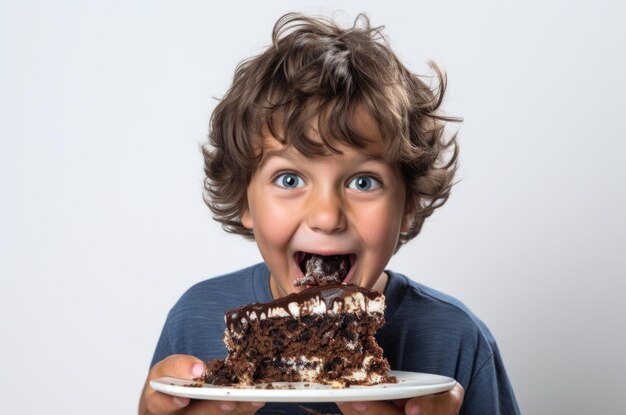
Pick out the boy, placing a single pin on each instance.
(326, 144)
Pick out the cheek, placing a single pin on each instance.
(273, 223)
(380, 227)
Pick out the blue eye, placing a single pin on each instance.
(289, 181)
(364, 183)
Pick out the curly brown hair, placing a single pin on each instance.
(316, 70)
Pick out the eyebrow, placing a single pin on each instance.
(276, 153)
(268, 154)
(283, 152)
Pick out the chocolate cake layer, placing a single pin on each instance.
(337, 348)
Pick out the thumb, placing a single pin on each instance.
(178, 366)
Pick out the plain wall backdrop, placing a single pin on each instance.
(103, 106)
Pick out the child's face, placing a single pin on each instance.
(350, 203)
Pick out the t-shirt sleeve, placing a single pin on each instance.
(163, 348)
(490, 391)
(432, 332)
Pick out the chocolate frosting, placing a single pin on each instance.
(329, 294)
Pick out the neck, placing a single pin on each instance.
(381, 283)
(276, 291)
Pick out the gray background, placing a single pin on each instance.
(102, 224)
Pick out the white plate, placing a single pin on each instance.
(410, 384)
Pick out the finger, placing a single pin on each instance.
(221, 407)
(446, 403)
(178, 366)
(370, 408)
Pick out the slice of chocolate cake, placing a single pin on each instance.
(324, 334)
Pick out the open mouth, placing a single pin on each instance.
(324, 269)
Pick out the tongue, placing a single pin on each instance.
(323, 270)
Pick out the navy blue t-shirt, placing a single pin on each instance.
(425, 331)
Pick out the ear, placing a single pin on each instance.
(246, 218)
(407, 219)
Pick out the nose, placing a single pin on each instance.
(326, 212)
